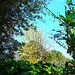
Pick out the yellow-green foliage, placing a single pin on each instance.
(33, 52)
(57, 58)
(34, 49)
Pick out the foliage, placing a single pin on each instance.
(56, 54)
(15, 15)
(33, 52)
(25, 68)
(56, 57)
(35, 36)
(34, 49)
(69, 67)
(40, 68)
(14, 67)
(68, 22)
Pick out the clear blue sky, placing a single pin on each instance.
(55, 6)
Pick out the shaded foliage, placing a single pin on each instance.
(15, 16)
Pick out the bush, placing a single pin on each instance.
(25, 68)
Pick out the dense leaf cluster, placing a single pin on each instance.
(15, 15)
(40, 68)
(33, 52)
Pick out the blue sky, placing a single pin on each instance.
(55, 6)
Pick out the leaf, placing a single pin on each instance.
(69, 2)
(73, 30)
(62, 17)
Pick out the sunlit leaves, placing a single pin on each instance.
(69, 2)
(73, 30)
(32, 52)
(25, 68)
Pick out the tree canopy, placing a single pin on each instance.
(34, 35)
(33, 52)
(14, 17)
(35, 48)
